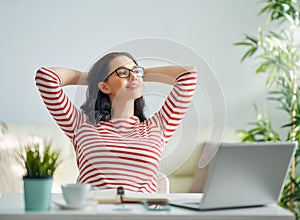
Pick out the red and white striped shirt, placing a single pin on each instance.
(118, 152)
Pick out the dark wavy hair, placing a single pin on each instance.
(97, 105)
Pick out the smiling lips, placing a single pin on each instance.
(132, 85)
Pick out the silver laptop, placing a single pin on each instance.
(244, 175)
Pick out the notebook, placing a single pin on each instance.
(111, 196)
(244, 175)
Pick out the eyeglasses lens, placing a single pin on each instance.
(138, 71)
(123, 73)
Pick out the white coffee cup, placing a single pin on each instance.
(75, 193)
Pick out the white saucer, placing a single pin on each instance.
(64, 205)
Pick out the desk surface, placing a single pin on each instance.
(12, 207)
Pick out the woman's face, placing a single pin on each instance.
(129, 88)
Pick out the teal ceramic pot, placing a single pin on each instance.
(37, 193)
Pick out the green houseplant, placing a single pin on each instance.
(40, 163)
(279, 54)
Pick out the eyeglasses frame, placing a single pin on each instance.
(122, 67)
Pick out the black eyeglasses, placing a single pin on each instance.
(124, 72)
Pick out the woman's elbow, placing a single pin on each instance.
(190, 68)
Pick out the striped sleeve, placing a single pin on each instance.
(169, 117)
(57, 102)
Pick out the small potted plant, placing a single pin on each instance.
(40, 163)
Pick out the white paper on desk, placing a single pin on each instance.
(120, 208)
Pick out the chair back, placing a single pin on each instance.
(163, 183)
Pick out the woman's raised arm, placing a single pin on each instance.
(179, 99)
(166, 74)
(49, 83)
(70, 76)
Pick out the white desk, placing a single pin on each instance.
(12, 207)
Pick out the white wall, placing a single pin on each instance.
(75, 33)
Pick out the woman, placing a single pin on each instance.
(114, 142)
